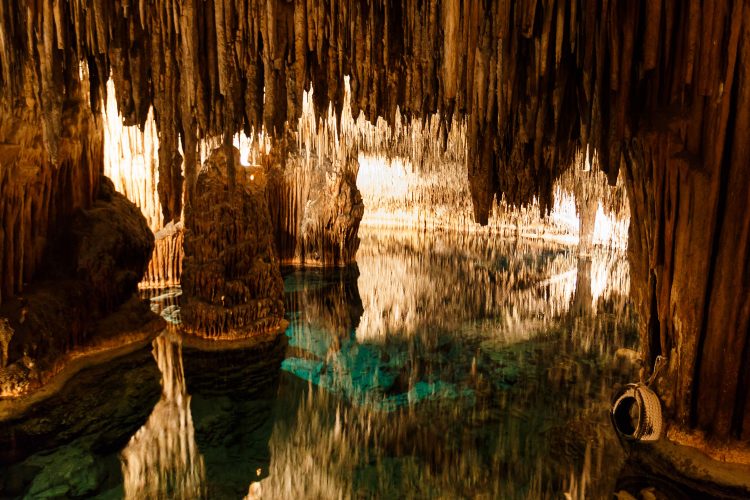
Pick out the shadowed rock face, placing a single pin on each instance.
(113, 245)
(232, 285)
(92, 267)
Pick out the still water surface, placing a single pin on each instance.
(440, 366)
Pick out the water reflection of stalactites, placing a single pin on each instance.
(162, 459)
(464, 377)
(519, 448)
(600, 311)
(410, 279)
(232, 397)
(433, 301)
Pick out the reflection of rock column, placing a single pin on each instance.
(583, 298)
(333, 310)
(586, 206)
(233, 393)
(162, 459)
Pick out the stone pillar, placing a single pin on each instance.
(231, 282)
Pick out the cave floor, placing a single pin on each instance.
(437, 367)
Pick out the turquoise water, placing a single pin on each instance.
(437, 367)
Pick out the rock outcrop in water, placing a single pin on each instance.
(232, 286)
(165, 266)
(90, 270)
(316, 212)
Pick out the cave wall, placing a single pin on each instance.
(204, 66)
(688, 177)
(43, 181)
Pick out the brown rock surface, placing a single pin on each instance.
(231, 283)
(165, 266)
(315, 211)
(92, 267)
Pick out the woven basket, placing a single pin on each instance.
(636, 414)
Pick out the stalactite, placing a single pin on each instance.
(131, 159)
(165, 266)
(205, 76)
(36, 193)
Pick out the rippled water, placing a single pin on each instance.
(438, 367)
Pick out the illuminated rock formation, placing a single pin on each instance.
(165, 266)
(231, 280)
(316, 212)
(315, 204)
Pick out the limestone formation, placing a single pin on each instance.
(316, 212)
(165, 266)
(91, 268)
(231, 280)
(37, 193)
(113, 245)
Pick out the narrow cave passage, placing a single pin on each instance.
(377, 249)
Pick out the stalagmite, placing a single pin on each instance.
(165, 267)
(231, 280)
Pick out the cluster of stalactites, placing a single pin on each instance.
(537, 80)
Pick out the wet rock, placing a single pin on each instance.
(231, 283)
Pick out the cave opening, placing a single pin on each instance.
(395, 248)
